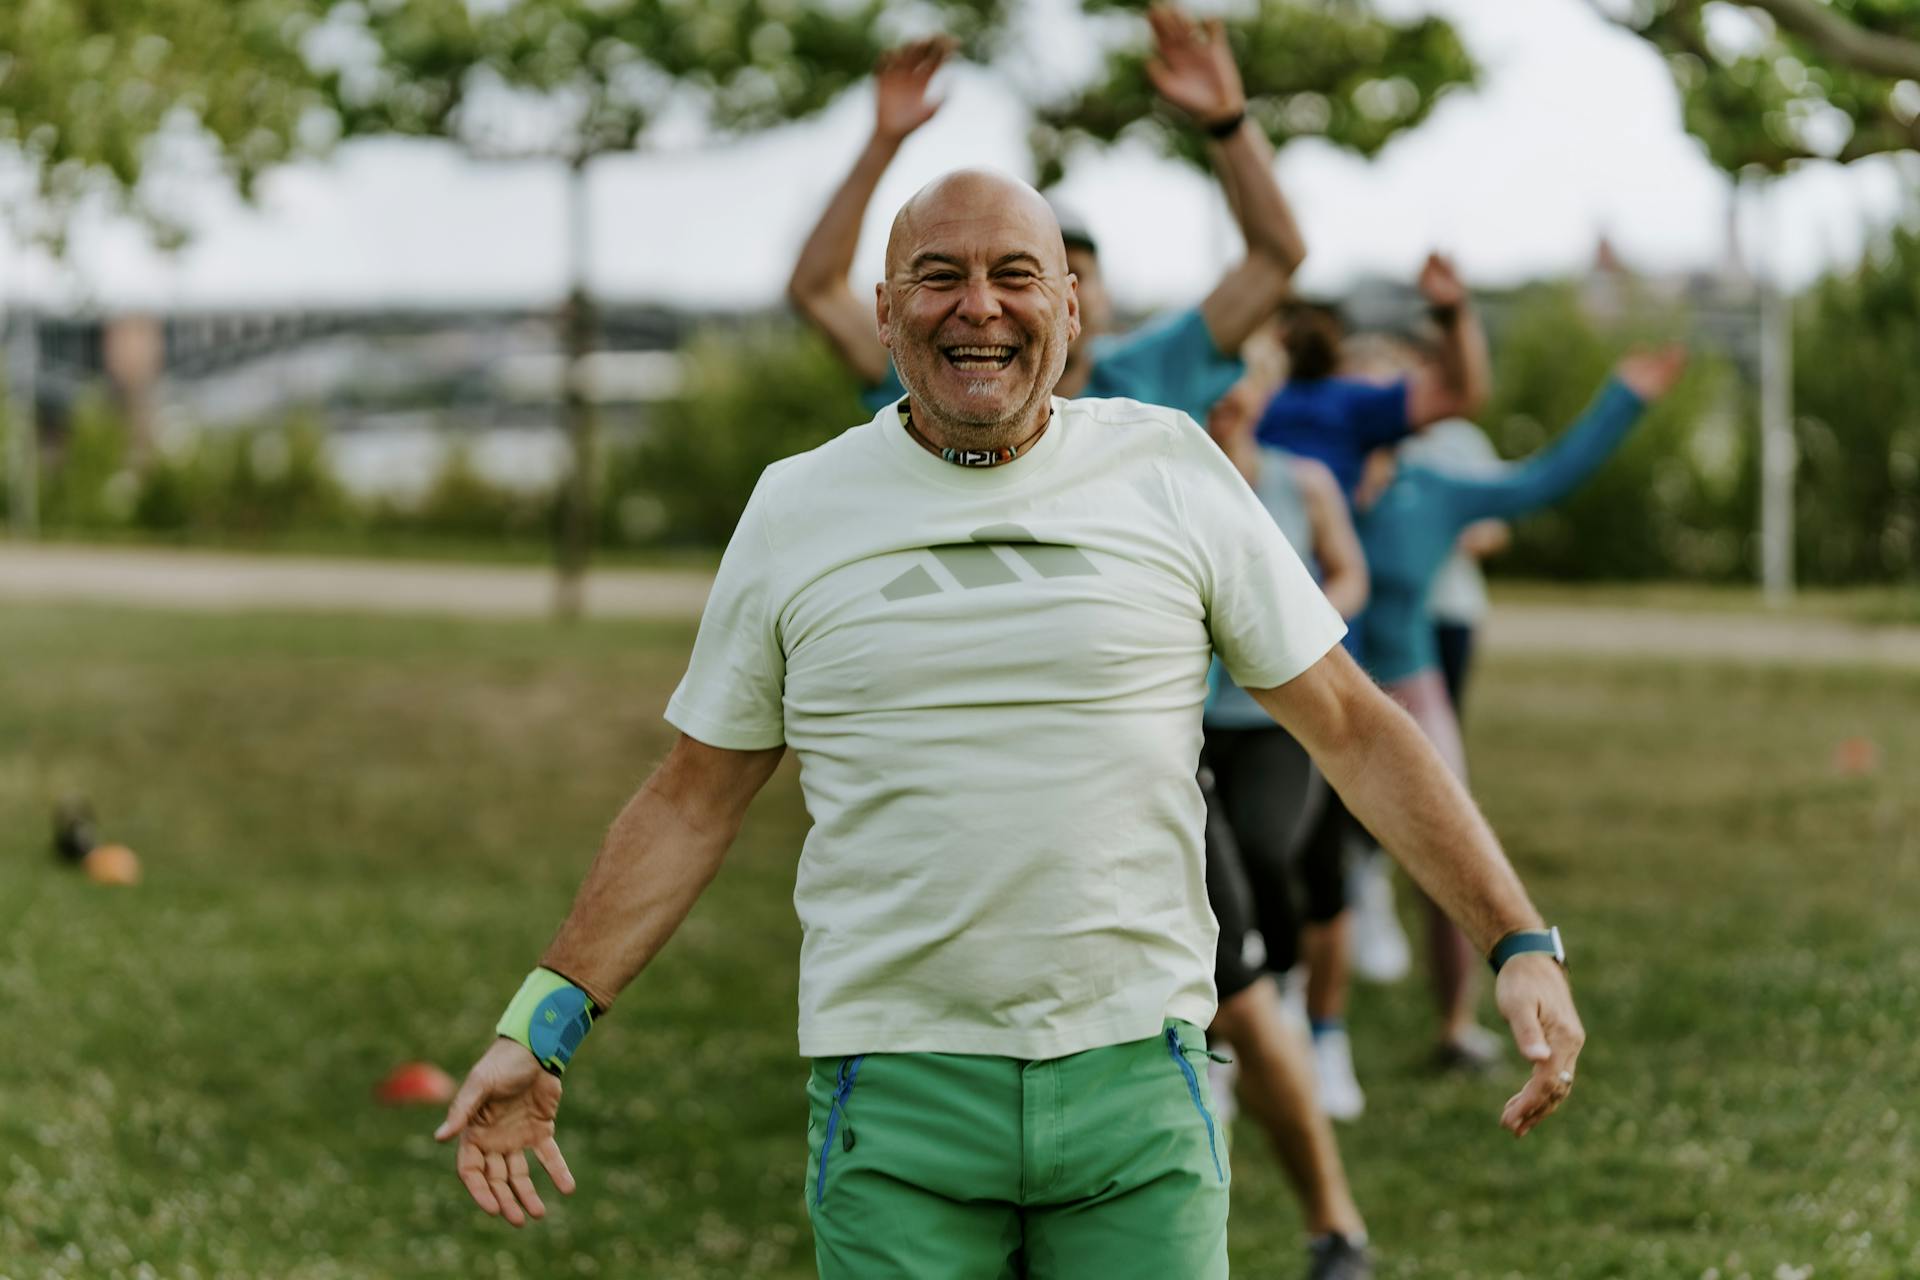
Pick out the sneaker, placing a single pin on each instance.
(1381, 953)
(1474, 1051)
(1337, 1257)
(1338, 1087)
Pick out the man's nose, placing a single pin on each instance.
(979, 304)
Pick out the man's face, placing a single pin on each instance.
(978, 308)
(1096, 304)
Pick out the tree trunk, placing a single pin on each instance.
(579, 333)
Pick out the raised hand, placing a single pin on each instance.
(1651, 373)
(506, 1106)
(1440, 284)
(1533, 996)
(900, 80)
(1193, 69)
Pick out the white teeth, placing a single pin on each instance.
(989, 353)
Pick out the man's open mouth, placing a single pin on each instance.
(980, 358)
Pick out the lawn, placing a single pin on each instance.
(358, 833)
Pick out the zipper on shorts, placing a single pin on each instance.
(1179, 1052)
(843, 1089)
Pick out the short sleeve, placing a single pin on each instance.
(1171, 362)
(732, 694)
(1268, 619)
(1378, 413)
(885, 392)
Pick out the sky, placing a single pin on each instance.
(1575, 133)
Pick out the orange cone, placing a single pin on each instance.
(111, 864)
(414, 1084)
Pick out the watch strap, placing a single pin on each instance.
(550, 1016)
(1523, 941)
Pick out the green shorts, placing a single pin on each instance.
(943, 1166)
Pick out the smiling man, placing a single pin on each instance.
(983, 622)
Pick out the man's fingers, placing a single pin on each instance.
(518, 1177)
(548, 1153)
(1542, 1096)
(503, 1190)
(460, 1110)
(470, 1165)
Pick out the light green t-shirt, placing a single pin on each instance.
(992, 678)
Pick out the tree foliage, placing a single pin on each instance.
(578, 78)
(86, 87)
(1857, 394)
(1334, 70)
(1768, 82)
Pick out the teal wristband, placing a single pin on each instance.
(550, 1017)
(1524, 941)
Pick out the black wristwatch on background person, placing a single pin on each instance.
(1522, 941)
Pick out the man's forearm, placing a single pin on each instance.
(661, 852)
(1463, 355)
(827, 256)
(1243, 162)
(1395, 783)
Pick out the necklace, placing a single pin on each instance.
(969, 457)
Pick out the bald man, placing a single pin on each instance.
(983, 621)
(1184, 360)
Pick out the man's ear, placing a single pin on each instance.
(1073, 306)
(883, 314)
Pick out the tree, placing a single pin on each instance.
(1766, 83)
(572, 81)
(1328, 68)
(88, 86)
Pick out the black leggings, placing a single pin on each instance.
(1270, 817)
(1456, 659)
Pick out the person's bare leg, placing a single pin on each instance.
(1276, 1087)
(1324, 948)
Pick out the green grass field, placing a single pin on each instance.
(358, 834)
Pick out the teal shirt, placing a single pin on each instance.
(1169, 361)
(1410, 531)
(1228, 705)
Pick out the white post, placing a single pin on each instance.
(1778, 456)
(23, 442)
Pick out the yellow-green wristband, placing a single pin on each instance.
(550, 1016)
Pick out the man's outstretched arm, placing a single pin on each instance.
(818, 287)
(1396, 784)
(1460, 385)
(1195, 72)
(660, 853)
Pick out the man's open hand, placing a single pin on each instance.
(901, 102)
(1440, 284)
(1193, 69)
(506, 1106)
(1534, 998)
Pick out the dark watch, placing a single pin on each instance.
(1522, 941)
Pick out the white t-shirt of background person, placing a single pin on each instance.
(1457, 447)
(992, 678)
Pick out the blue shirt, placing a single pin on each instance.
(1411, 530)
(1170, 361)
(1337, 420)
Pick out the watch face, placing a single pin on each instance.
(1559, 947)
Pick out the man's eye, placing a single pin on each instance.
(942, 277)
(1016, 276)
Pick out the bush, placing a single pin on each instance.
(1857, 420)
(1677, 500)
(751, 396)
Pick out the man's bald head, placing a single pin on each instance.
(978, 309)
(980, 199)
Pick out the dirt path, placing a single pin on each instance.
(219, 581)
